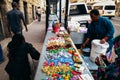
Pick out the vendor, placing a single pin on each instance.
(99, 28)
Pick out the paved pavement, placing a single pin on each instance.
(116, 18)
(35, 35)
(115, 21)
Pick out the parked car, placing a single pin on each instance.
(89, 8)
(106, 9)
(78, 12)
(78, 21)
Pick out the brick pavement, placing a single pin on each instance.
(35, 35)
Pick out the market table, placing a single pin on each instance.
(91, 65)
(42, 76)
(77, 39)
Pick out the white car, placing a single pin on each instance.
(78, 12)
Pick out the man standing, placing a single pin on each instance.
(14, 18)
(38, 12)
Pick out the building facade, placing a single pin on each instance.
(117, 7)
(28, 7)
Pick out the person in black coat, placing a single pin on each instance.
(18, 67)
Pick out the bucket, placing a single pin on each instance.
(97, 49)
(56, 27)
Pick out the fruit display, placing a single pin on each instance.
(62, 60)
(76, 58)
(63, 34)
(58, 42)
(55, 43)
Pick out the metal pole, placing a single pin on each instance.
(60, 10)
(47, 13)
(66, 13)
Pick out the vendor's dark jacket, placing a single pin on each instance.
(100, 29)
(18, 63)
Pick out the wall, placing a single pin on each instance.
(5, 6)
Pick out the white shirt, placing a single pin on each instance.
(39, 11)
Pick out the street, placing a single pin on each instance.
(116, 23)
(35, 36)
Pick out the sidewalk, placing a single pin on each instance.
(116, 18)
(35, 36)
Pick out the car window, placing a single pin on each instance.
(78, 9)
(110, 7)
(89, 7)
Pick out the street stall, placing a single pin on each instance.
(78, 18)
(60, 59)
(77, 31)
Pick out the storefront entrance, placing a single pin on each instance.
(25, 12)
